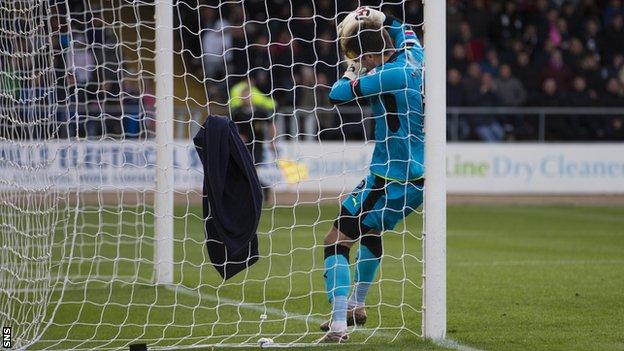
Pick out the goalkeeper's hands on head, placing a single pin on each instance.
(354, 69)
(349, 26)
(365, 13)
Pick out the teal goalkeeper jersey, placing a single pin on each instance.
(395, 93)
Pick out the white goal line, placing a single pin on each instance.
(274, 311)
(129, 279)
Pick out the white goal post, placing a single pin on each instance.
(102, 241)
(434, 256)
(163, 198)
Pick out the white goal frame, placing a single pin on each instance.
(434, 233)
(163, 195)
(434, 214)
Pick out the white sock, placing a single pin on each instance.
(338, 326)
(359, 295)
(339, 314)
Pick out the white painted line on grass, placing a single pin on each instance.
(268, 310)
(452, 344)
(537, 263)
(195, 293)
(608, 217)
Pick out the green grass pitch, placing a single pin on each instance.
(519, 278)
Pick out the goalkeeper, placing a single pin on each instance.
(392, 58)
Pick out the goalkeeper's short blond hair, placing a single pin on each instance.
(371, 38)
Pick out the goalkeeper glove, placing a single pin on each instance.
(365, 13)
(350, 25)
(353, 19)
(354, 69)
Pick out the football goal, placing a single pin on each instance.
(102, 223)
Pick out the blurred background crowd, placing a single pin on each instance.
(500, 54)
(505, 54)
(537, 53)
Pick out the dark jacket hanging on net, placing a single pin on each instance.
(232, 198)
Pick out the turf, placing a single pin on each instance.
(536, 278)
(519, 278)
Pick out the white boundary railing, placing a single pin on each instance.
(306, 119)
(456, 114)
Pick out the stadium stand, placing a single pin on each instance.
(500, 54)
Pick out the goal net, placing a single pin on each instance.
(102, 238)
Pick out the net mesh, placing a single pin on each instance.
(78, 161)
(28, 200)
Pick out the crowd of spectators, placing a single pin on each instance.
(545, 53)
(71, 66)
(559, 53)
(272, 41)
(97, 92)
(288, 49)
(500, 53)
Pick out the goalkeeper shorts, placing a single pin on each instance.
(378, 204)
